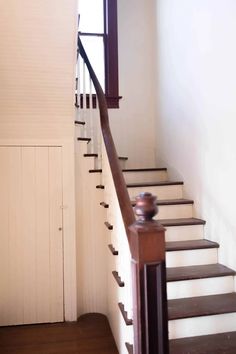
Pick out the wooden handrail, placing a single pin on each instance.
(146, 239)
(118, 178)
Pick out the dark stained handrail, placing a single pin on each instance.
(146, 239)
(118, 178)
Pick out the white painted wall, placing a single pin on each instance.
(196, 99)
(133, 124)
(37, 79)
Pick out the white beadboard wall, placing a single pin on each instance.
(37, 62)
(31, 261)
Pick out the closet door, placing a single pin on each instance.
(31, 235)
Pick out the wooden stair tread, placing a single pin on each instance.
(162, 202)
(132, 170)
(148, 169)
(182, 222)
(104, 205)
(79, 122)
(84, 139)
(201, 306)
(90, 155)
(108, 225)
(128, 321)
(155, 184)
(174, 201)
(198, 272)
(223, 343)
(129, 348)
(190, 245)
(96, 171)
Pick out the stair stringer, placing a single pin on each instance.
(91, 245)
(121, 263)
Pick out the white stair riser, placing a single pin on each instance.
(86, 146)
(81, 146)
(200, 287)
(92, 162)
(184, 233)
(174, 211)
(204, 325)
(162, 192)
(122, 164)
(79, 130)
(191, 257)
(145, 176)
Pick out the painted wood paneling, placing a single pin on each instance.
(37, 68)
(31, 252)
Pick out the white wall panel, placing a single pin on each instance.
(31, 253)
(37, 65)
(37, 74)
(196, 102)
(133, 124)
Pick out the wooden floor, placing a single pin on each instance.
(91, 334)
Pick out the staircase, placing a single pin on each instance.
(201, 297)
(200, 291)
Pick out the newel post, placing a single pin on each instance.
(147, 242)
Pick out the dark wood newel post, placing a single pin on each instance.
(147, 242)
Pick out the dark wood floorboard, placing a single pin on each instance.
(91, 334)
(202, 306)
(224, 343)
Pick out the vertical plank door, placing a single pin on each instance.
(31, 235)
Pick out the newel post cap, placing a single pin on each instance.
(147, 236)
(146, 207)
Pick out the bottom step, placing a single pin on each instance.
(224, 343)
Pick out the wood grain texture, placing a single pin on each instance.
(154, 184)
(91, 334)
(202, 306)
(198, 272)
(182, 222)
(149, 279)
(223, 343)
(90, 155)
(190, 245)
(170, 202)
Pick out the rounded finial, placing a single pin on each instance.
(146, 206)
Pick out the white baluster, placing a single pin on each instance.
(99, 134)
(84, 101)
(91, 116)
